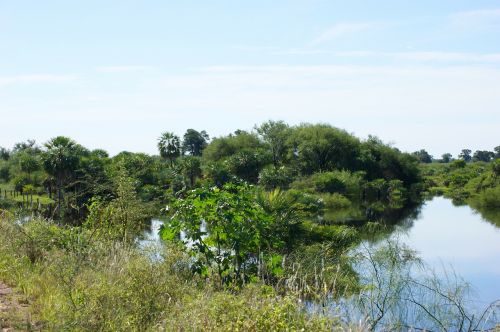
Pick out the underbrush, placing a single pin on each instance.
(75, 281)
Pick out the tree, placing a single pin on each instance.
(227, 230)
(194, 142)
(446, 158)
(29, 164)
(497, 151)
(465, 155)
(60, 159)
(224, 147)
(275, 134)
(191, 168)
(28, 146)
(320, 148)
(485, 156)
(423, 156)
(169, 146)
(4, 153)
(123, 217)
(246, 165)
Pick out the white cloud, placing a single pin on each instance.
(341, 29)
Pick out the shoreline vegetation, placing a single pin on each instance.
(259, 233)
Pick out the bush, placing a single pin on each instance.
(335, 201)
(272, 178)
(80, 283)
(343, 182)
(20, 181)
(490, 198)
(459, 163)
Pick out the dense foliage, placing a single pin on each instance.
(254, 222)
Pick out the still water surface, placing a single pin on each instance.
(446, 237)
(456, 238)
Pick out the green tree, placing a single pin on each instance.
(191, 168)
(123, 217)
(465, 155)
(497, 151)
(4, 153)
(275, 134)
(485, 156)
(446, 158)
(246, 165)
(60, 160)
(29, 163)
(28, 146)
(320, 148)
(194, 142)
(169, 146)
(423, 156)
(223, 147)
(224, 228)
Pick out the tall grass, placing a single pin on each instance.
(75, 282)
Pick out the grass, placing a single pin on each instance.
(75, 282)
(43, 199)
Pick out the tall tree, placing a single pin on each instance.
(483, 156)
(465, 155)
(169, 146)
(321, 147)
(275, 135)
(60, 160)
(194, 142)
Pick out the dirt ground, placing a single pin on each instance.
(14, 314)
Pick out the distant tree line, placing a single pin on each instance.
(465, 155)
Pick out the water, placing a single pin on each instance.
(456, 238)
(446, 237)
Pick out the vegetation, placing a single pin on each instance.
(259, 229)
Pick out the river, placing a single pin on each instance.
(447, 238)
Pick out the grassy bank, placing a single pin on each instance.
(74, 281)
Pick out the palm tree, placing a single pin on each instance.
(59, 160)
(170, 146)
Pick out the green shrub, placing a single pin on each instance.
(490, 198)
(335, 201)
(459, 163)
(272, 177)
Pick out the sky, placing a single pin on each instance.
(116, 74)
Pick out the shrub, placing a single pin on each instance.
(271, 178)
(335, 201)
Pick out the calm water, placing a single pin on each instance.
(446, 237)
(456, 238)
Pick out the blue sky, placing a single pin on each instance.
(115, 74)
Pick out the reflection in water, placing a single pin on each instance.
(458, 239)
(445, 236)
